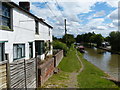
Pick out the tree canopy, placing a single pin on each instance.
(114, 38)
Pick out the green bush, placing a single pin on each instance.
(59, 45)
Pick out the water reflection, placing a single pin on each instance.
(104, 60)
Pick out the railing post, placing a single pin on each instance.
(25, 74)
(8, 74)
(36, 60)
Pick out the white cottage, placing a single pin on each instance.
(22, 34)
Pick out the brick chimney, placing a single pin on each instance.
(25, 5)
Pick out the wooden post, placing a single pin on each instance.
(25, 74)
(36, 59)
(65, 28)
(8, 73)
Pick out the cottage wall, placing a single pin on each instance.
(24, 32)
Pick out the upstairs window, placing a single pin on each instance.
(5, 16)
(36, 27)
(49, 32)
(2, 52)
(18, 51)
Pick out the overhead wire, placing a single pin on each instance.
(54, 14)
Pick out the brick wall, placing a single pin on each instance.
(45, 71)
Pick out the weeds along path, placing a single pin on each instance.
(82, 65)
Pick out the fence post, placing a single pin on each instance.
(8, 74)
(36, 60)
(25, 74)
(54, 61)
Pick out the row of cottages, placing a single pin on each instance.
(22, 34)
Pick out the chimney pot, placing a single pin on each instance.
(25, 5)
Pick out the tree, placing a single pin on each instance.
(84, 37)
(68, 39)
(107, 39)
(54, 38)
(115, 40)
(99, 39)
(59, 45)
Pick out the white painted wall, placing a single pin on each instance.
(23, 26)
(44, 35)
(24, 32)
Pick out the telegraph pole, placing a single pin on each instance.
(65, 28)
(65, 32)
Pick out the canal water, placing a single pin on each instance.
(104, 60)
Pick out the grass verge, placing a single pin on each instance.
(68, 65)
(91, 77)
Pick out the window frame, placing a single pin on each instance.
(2, 51)
(49, 32)
(36, 27)
(10, 23)
(31, 44)
(19, 48)
(40, 47)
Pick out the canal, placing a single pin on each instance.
(104, 60)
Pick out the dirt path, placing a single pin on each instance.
(73, 76)
(82, 66)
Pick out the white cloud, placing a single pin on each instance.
(71, 9)
(114, 15)
(99, 14)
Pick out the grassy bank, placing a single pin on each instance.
(92, 77)
(68, 65)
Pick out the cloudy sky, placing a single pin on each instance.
(100, 16)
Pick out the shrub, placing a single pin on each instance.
(59, 45)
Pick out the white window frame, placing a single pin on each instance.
(20, 51)
(2, 51)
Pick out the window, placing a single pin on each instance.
(18, 51)
(49, 45)
(36, 27)
(49, 32)
(5, 17)
(2, 51)
(39, 47)
(31, 50)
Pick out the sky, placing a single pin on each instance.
(100, 16)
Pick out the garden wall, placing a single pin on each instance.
(57, 58)
(45, 71)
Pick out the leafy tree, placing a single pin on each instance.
(90, 38)
(98, 39)
(115, 40)
(68, 39)
(84, 37)
(59, 45)
(54, 38)
(107, 39)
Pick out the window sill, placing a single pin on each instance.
(5, 28)
(18, 58)
(3, 62)
(36, 34)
